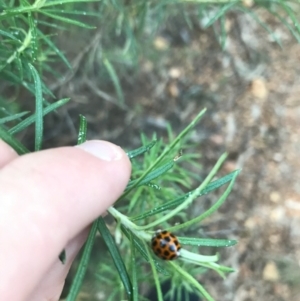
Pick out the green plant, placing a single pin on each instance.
(138, 228)
(128, 242)
(124, 36)
(28, 56)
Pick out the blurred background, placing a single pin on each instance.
(150, 64)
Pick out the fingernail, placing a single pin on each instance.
(102, 149)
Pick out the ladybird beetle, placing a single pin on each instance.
(165, 245)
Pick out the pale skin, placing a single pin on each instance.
(48, 200)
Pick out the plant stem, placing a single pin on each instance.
(123, 219)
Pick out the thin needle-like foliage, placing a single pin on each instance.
(161, 189)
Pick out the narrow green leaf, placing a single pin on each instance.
(82, 130)
(141, 150)
(152, 175)
(9, 13)
(24, 3)
(53, 71)
(13, 117)
(211, 210)
(287, 25)
(12, 77)
(263, 24)
(291, 14)
(115, 79)
(155, 277)
(28, 121)
(19, 67)
(60, 2)
(142, 17)
(52, 25)
(174, 203)
(38, 108)
(221, 270)
(134, 278)
(166, 151)
(72, 12)
(134, 198)
(34, 40)
(14, 143)
(47, 91)
(189, 278)
(9, 35)
(55, 49)
(188, 201)
(67, 20)
(206, 242)
(220, 13)
(115, 254)
(83, 264)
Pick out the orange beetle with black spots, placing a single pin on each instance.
(165, 245)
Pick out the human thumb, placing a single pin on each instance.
(47, 199)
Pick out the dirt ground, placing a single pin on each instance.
(252, 92)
